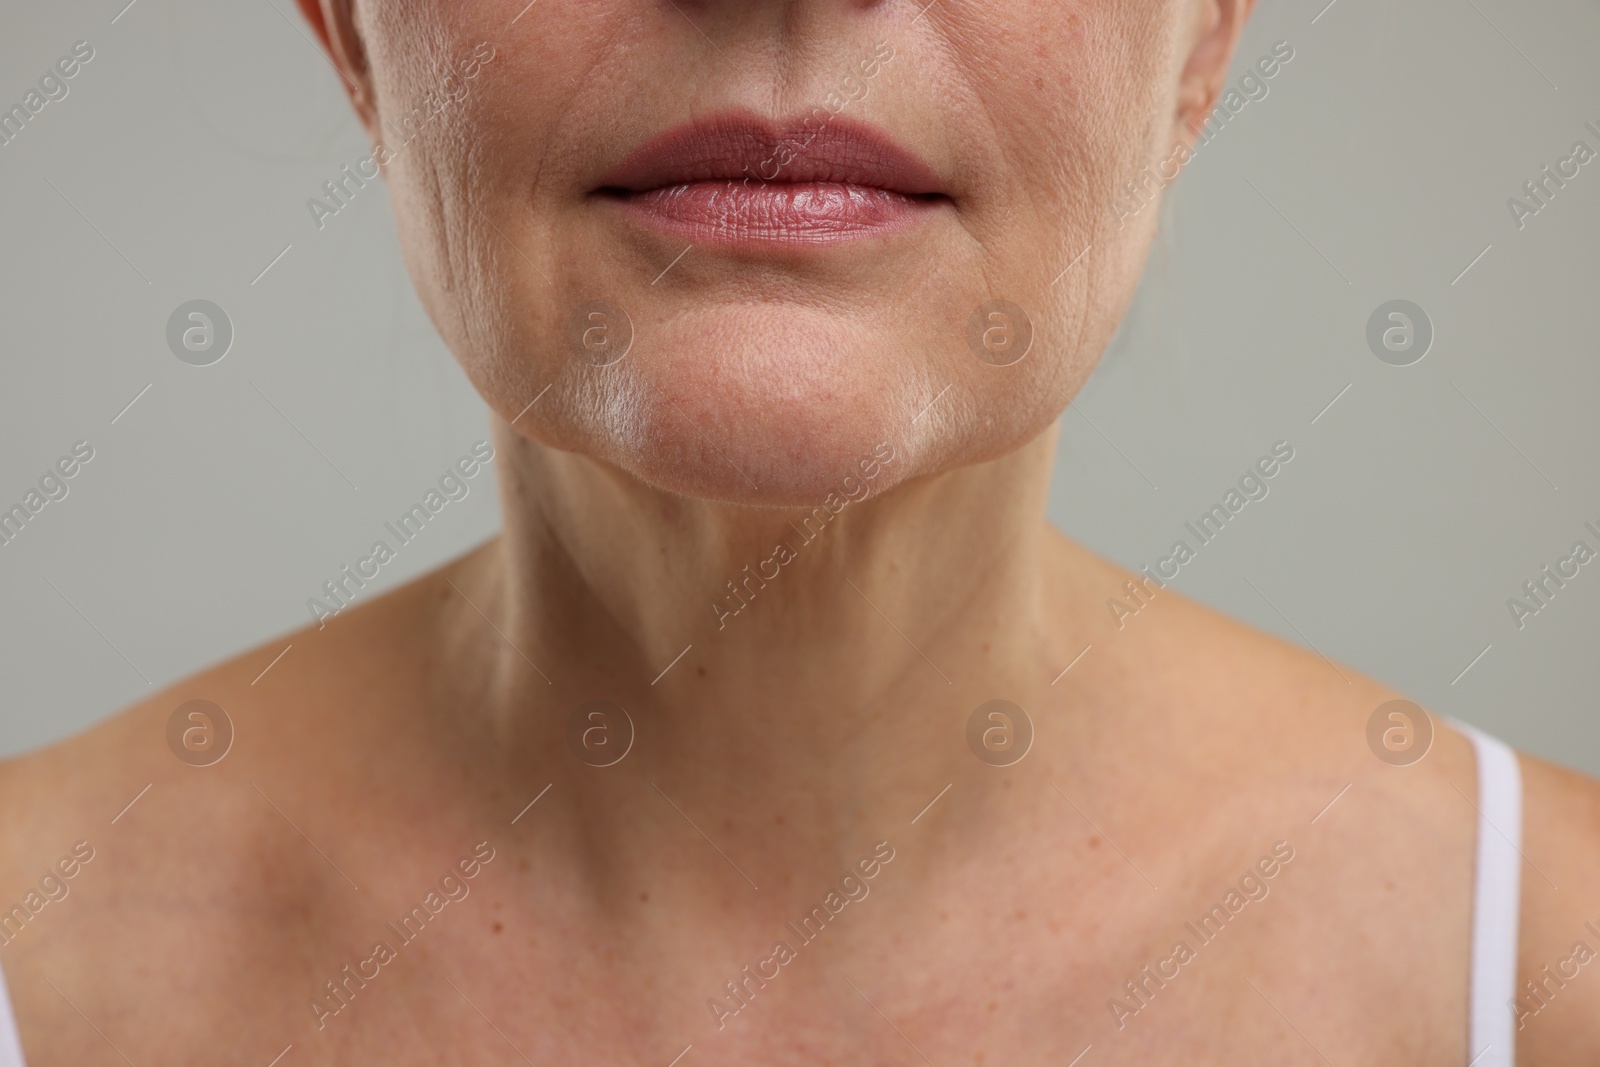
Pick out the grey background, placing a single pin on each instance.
(1378, 167)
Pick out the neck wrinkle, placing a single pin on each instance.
(848, 676)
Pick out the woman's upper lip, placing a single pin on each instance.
(737, 145)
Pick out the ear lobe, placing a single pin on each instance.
(312, 10)
(1214, 37)
(334, 23)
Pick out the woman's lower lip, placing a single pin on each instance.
(794, 213)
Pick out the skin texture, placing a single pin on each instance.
(829, 714)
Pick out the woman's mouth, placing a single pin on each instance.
(736, 180)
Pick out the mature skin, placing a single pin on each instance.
(794, 736)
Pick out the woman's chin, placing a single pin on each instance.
(763, 406)
(771, 403)
(748, 407)
(754, 448)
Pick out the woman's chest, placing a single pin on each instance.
(1002, 988)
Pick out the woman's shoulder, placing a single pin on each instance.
(170, 837)
(122, 785)
(289, 710)
(95, 776)
(260, 696)
(1402, 798)
(105, 848)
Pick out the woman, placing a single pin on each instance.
(775, 307)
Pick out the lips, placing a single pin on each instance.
(736, 179)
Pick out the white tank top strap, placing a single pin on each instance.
(1491, 1031)
(10, 1044)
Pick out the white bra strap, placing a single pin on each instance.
(1491, 1034)
(10, 1044)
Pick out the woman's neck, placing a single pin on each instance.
(834, 653)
